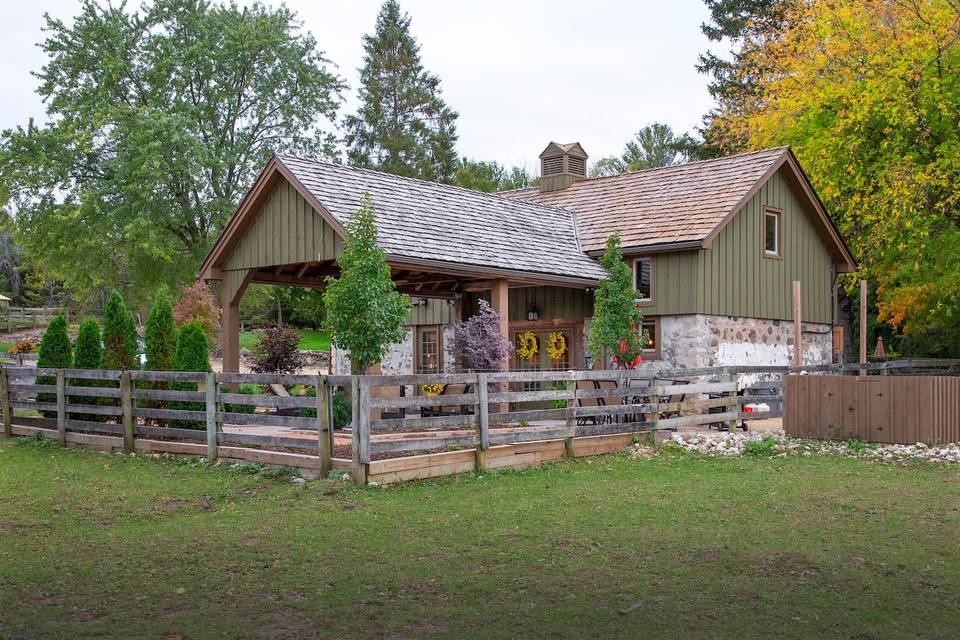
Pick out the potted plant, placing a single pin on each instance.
(431, 389)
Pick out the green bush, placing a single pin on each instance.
(245, 389)
(119, 335)
(191, 354)
(88, 354)
(55, 353)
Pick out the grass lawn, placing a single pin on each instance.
(310, 340)
(669, 547)
(6, 346)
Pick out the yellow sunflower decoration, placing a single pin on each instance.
(527, 345)
(556, 345)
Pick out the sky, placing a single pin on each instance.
(521, 73)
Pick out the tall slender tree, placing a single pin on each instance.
(403, 125)
(119, 343)
(160, 336)
(365, 312)
(615, 328)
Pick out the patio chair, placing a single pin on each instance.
(588, 402)
(453, 410)
(674, 398)
(608, 385)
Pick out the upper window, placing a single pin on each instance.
(771, 233)
(643, 278)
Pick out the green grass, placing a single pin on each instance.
(6, 346)
(755, 547)
(310, 340)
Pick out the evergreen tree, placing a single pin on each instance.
(403, 126)
(160, 336)
(119, 335)
(192, 352)
(55, 353)
(87, 354)
(615, 328)
(365, 313)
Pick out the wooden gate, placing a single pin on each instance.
(885, 409)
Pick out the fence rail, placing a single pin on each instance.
(28, 317)
(487, 420)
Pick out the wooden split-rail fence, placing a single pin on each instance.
(492, 420)
(14, 318)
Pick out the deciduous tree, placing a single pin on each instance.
(615, 328)
(157, 120)
(365, 312)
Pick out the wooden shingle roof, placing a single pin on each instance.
(663, 206)
(421, 220)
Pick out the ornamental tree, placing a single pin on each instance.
(87, 354)
(477, 343)
(160, 336)
(277, 351)
(615, 328)
(192, 352)
(119, 335)
(197, 304)
(365, 312)
(55, 353)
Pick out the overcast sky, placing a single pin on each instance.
(519, 72)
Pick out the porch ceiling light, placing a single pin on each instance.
(533, 313)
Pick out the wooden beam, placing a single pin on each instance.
(797, 325)
(303, 269)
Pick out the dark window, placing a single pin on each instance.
(771, 231)
(644, 277)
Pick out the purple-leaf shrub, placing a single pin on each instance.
(477, 343)
(277, 351)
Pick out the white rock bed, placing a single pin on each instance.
(732, 444)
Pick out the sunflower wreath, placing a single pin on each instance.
(527, 345)
(556, 345)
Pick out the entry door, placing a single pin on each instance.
(543, 362)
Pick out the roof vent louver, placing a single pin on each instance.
(561, 165)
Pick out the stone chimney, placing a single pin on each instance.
(561, 165)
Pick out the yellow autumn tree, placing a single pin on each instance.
(868, 95)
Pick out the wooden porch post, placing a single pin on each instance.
(500, 302)
(230, 327)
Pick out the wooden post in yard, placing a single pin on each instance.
(361, 429)
(61, 407)
(733, 405)
(483, 421)
(568, 447)
(210, 387)
(797, 325)
(324, 426)
(126, 406)
(5, 400)
(863, 326)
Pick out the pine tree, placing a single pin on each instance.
(615, 328)
(119, 335)
(55, 353)
(87, 354)
(403, 126)
(160, 336)
(365, 313)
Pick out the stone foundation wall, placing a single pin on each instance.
(696, 341)
(399, 359)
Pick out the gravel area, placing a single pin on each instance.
(778, 445)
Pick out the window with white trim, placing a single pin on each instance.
(771, 234)
(643, 278)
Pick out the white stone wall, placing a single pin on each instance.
(717, 341)
(399, 358)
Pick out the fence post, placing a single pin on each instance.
(210, 387)
(483, 421)
(324, 426)
(653, 417)
(61, 407)
(126, 406)
(5, 400)
(361, 429)
(733, 404)
(571, 416)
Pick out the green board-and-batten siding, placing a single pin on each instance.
(286, 231)
(552, 302)
(436, 311)
(734, 278)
